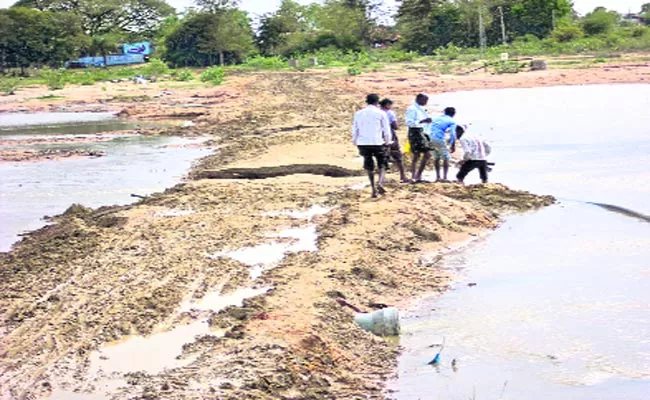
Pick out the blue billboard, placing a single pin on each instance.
(142, 48)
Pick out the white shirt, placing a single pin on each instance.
(371, 127)
(414, 115)
(475, 148)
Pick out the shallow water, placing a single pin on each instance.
(132, 165)
(560, 310)
(266, 256)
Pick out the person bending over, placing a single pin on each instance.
(439, 126)
(417, 120)
(394, 150)
(371, 133)
(476, 152)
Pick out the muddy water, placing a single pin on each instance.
(132, 165)
(560, 306)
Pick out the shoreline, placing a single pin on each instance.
(296, 339)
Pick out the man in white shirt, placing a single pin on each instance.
(476, 151)
(417, 120)
(371, 133)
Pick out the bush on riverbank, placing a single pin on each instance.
(213, 75)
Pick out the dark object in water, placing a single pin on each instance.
(436, 359)
(622, 211)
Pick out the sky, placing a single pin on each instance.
(258, 7)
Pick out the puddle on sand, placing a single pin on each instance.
(266, 256)
(158, 352)
(151, 354)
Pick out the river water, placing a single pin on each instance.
(132, 165)
(560, 309)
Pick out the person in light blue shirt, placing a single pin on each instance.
(439, 127)
(418, 121)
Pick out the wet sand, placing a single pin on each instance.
(100, 276)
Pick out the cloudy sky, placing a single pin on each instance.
(262, 6)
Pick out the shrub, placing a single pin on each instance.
(86, 79)
(507, 67)
(214, 75)
(260, 62)
(8, 86)
(639, 31)
(599, 21)
(567, 33)
(155, 67)
(54, 79)
(354, 70)
(183, 75)
(449, 53)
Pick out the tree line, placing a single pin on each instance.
(36, 33)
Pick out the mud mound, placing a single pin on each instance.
(282, 170)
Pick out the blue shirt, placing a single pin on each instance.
(414, 115)
(440, 125)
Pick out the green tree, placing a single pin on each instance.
(276, 29)
(103, 45)
(99, 17)
(600, 21)
(31, 37)
(204, 38)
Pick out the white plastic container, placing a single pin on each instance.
(382, 323)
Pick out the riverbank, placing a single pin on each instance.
(99, 276)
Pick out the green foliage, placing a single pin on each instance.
(54, 79)
(567, 33)
(267, 63)
(30, 37)
(298, 29)
(354, 70)
(155, 67)
(8, 86)
(183, 75)
(205, 39)
(100, 17)
(506, 67)
(600, 21)
(213, 75)
(87, 79)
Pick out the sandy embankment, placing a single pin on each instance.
(99, 276)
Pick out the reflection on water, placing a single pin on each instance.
(139, 165)
(560, 309)
(11, 121)
(589, 143)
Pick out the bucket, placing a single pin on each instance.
(382, 323)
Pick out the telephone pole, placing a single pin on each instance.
(554, 20)
(504, 37)
(481, 29)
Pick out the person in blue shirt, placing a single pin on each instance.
(439, 127)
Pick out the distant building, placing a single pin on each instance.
(633, 18)
(130, 53)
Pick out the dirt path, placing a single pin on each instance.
(99, 276)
